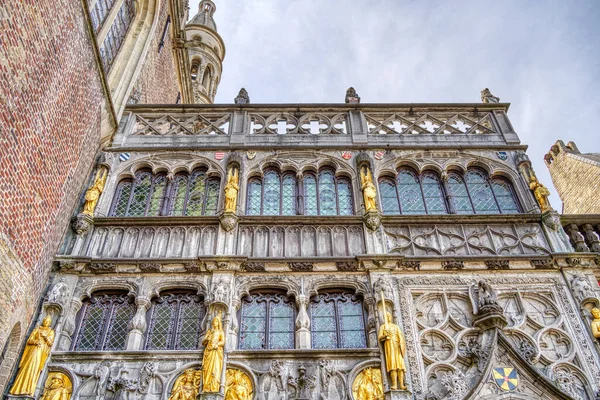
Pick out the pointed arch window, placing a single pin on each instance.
(505, 196)
(194, 195)
(412, 194)
(267, 322)
(104, 322)
(409, 192)
(337, 321)
(433, 193)
(175, 321)
(326, 194)
(480, 192)
(459, 195)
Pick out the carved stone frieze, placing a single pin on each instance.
(497, 264)
(65, 265)
(347, 265)
(545, 263)
(253, 266)
(453, 265)
(149, 267)
(573, 261)
(100, 268)
(406, 265)
(300, 266)
(195, 266)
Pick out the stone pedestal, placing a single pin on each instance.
(210, 396)
(398, 395)
(490, 317)
(19, 397)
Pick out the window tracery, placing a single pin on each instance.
(109, 49)
(337, 321)
(267, 322)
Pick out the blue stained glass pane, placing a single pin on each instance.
(460, 197)
(212, 197)
(353, 339)
(196, 197)
(310, 195)
(481, 193)
(327, 199)
(281, 325)
(434, 198)
(288, 201)
(178, 195)
(253, 326)
(389, 197)
(411, 198)
(345, 197)
(254, 198)
(272, 194)
(504, 195)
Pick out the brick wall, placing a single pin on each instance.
(49, 134)
(157, 82)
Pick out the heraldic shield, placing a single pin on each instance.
(506, 378)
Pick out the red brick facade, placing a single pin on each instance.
(50, 96)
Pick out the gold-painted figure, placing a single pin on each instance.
(58, 387)
(394, 347)
(368, 189)
(212, 361)
(187, 386)
(595, 325)
(93, 193)
(368, 385)
(238, 385)
(231, 190)
(37, 350)
(540, 192)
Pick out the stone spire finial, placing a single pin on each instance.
(242, 97)
(351, 96)
(488, 97)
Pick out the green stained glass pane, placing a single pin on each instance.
(345, 197)
(327, 199)
(212, 197)
(411, 198)
(178, 195)
(158, 195)
(288, 200)
(196, 197)
(254, 198)
(310, 195)
(123, 192)
(141, 192)
(389, 197)
(272, 194)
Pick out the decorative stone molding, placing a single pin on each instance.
(65, 266)
(545, 263)
(497, 264)
(82, 224)
(253, 266)
(573, 261)
(453, 265)
(99, 268)
(150, 267)
(408, 265)
(301, 266)
(577, 239)
(195, 266)
(347, 265)
(372, 220)
(228, 221)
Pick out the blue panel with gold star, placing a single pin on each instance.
(506, 378)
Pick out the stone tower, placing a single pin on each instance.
(206, 51)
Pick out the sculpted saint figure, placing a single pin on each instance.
(57, 389)
(394, 347)
(540, 192)
(186, 387)
(231, 190)
(212, 361)
(93, 193)
(239, 386)
(368, 385)
(596, 323)
(368, 188)
(34, 357)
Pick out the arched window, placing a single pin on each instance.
(194, 195)
(389, 196)
(505, 196)
(253, 206)
(267, 322)
(433, 194)
(412, 194)
(409, 192)
(174, 321)
(109, 49)
(459, 195)
(206, 79)
(337, 321)
(289, 195)
(104, 322)
(324, 194)
(310, 195)
(480, 192)
(144, 196)
(99, 12)
(272, 193)
(194, 69)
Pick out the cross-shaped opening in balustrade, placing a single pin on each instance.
(429, 125)
(397, 126)
(461, 125)
(314, 126)
(281, 126)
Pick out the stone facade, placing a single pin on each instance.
(576, 178)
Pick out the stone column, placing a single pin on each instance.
(577, 239)
(449, 196)
(592, 238)
(371, 322)
(303, 339)
(138, 325)
(232, 339)
(66, 335)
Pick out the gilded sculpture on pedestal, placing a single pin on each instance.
(231, 189)
(394, 348)
(58, 387)
(595, 325)
(238, 385)
(37, 350)
(540, 192)
(368, 385)
(92, 195)
(187, 386)
(212, 361)
(368, 189)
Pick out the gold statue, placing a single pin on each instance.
(37, 350)
(540, 192)
(93, 193)
(368, 188)
(58, 387)
(238, 385)
(231, 190)
(187, 386)
(212, 361)
(368, 385)
(394, 347)
(595, 325)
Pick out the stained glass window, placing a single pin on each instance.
(409, 191)
(310, 195)
(174, 322)
(122, 198)
(345, 197)
(267, 322)
(254, 197)
(389, 197)
(481, 193)
(109, 49)
(327, 197)
(288, 195)
(104, 322)
(459, 195)
(272, 193)
(432, 193)
(337, 321)
(505, 196)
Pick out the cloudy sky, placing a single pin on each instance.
(541, 56)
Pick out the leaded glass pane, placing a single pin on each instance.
(196, 194)
(345, 197)
(272, 194)
(123, 192)
(253, 326)
(481, 193)
(432, 191)
(254, 198)
(190, 316)
(92, 324)
(119, 326)
(327, 199)
(323, 332)
(158, 196)
(178, 195)
(459, 196)
(504, 196)
(141, 193)
(411, 198)
(281, 325)
(212, 197)
(161, 326)
(310, 195)
(288, 200)
(389, 197)
(352, 329)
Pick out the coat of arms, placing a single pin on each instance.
(507, 378)
(346, 155)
